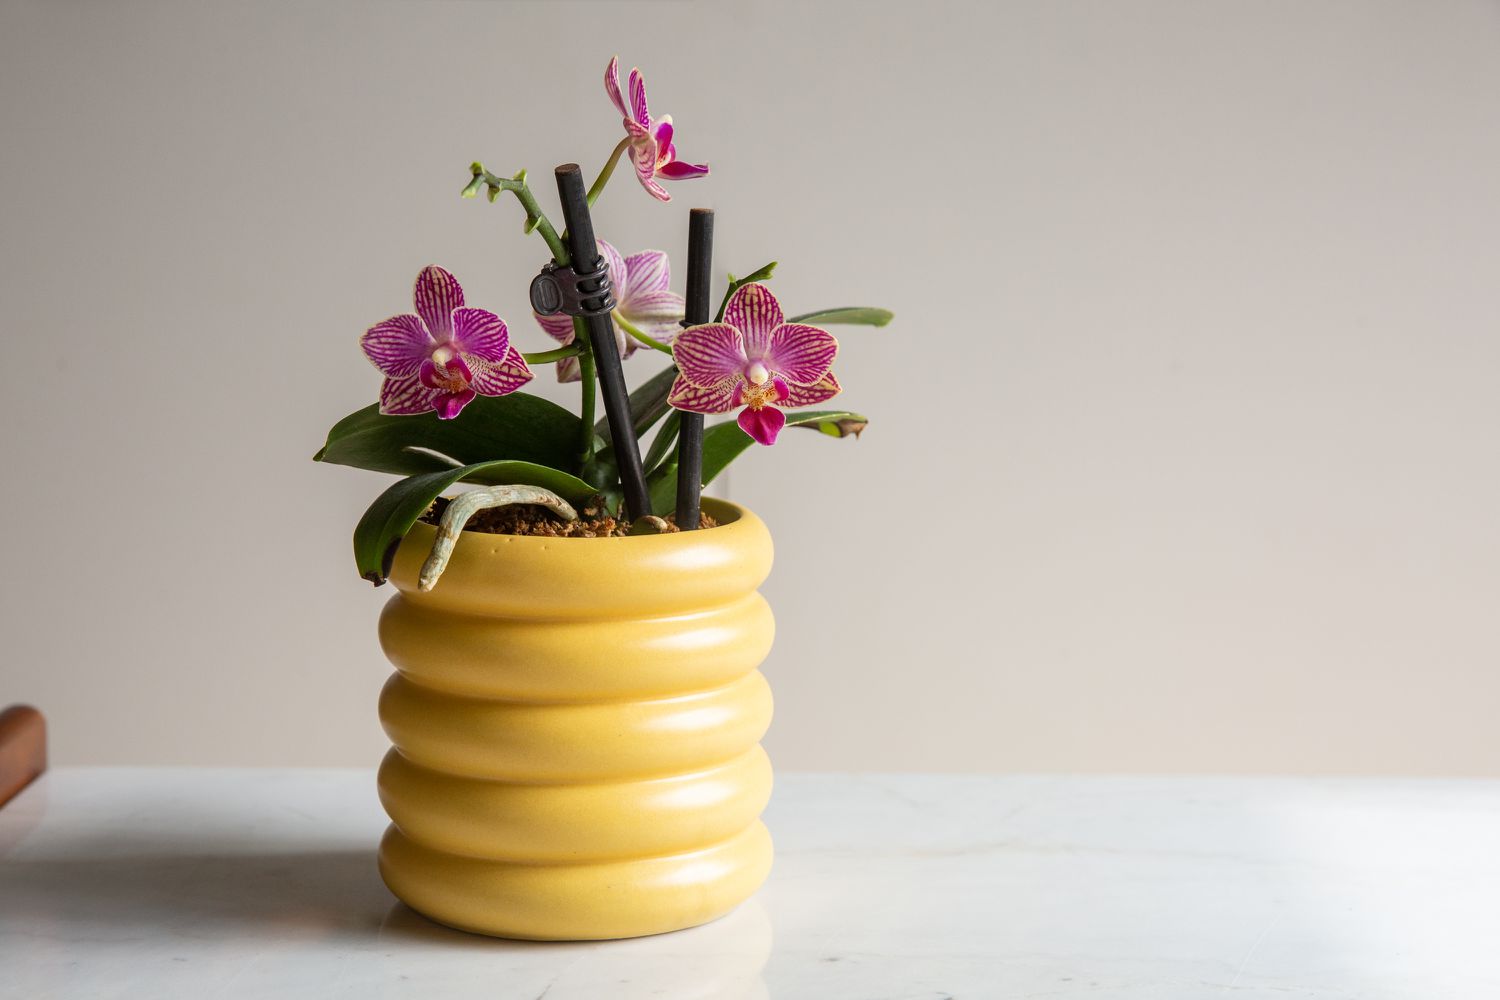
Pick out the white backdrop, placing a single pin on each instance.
(1183, 445)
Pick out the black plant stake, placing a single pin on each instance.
(690, 432)
(594, 279)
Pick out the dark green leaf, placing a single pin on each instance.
(723, 443)
(665, 438)
(519, 427)
(391, 516)
(647, 403)
(854, 315)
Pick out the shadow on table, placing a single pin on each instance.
(206, 896)
(335, 898)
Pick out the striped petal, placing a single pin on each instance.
(616, 267)
(612, 86)
(405, 397)
(755, 312)
(398, 345)
(480, 333)
(638, 108)
(708, 354)
(645, 170)
(677, 170)
(647, 271)
(806, 395)
(558, 326)
(799, 353)
(437, 295)
(655, 307)
(763, 424)
(718, 398)
(568, 370)
(502, 378)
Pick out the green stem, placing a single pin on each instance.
(534, 218)
(588, 379)
(608, 171)
(639, 334)
(736, 283)
(550, 357)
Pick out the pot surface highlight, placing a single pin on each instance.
(576, 725)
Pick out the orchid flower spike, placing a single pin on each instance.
(445, 355)
(642, 298)
(756, 360)
(651, 148)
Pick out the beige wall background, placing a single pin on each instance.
(1183, 453)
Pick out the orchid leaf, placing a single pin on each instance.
(851, 315)
(661, 445)
(724, 442)
(648, 403)
(391, 516)
(518, 427)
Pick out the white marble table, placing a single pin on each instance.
(200, 884)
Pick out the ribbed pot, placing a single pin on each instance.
(576, 726)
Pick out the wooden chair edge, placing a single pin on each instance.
(23, 749)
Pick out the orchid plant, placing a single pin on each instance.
(450, 410)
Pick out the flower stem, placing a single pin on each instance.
(609, 168)
(517, 186)
(639, 334)
(550, 357)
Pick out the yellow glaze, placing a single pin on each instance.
(576, 725)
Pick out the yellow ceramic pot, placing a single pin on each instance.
(576, 725)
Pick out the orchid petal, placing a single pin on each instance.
(755, 312)
(405, 397)
(450, 404)
(710, 353)
(647, 271)
(558, 326)
(719, 398)
(568, 370)
(763, 424)
(661, 131)
(800, 353)
(616, 267)
(659, 307)
(807, 395)
(437, 295)
(677, 170)
(612, 86)
(433, 376)
(502, 378)
(639, 110)
(645, 172)
(397, 346)
(480, 333)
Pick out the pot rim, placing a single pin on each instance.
(728, 513)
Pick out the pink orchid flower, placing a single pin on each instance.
(753, 359)
(641, 296)
(445, 355)
(651, 148)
